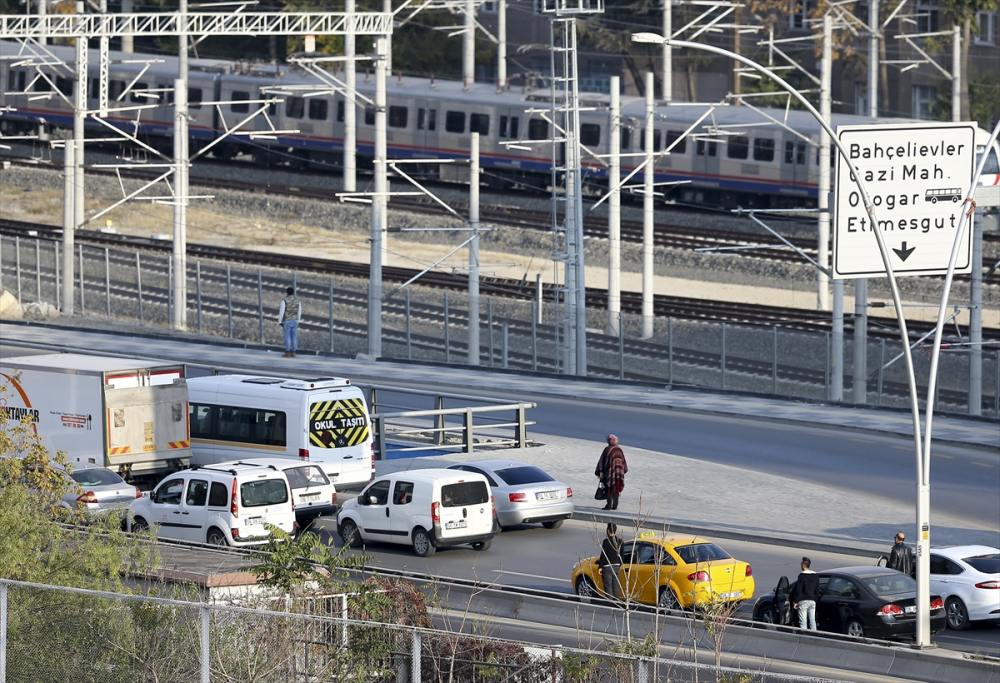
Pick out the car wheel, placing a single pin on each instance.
(585, 588)
(422, 545)
(958, 615)
(483, 545)
(855, 628)
(216, 537)
(766, 615)
(553, 525)
(349, 534)
(668, 599)
(139, 524)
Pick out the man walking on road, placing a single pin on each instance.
(901, 557)
(805, 594)
(289, 315)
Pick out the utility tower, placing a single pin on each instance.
(571, 296)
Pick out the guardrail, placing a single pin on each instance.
(412, 427)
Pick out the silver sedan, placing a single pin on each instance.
(100, 490)
(523, 493)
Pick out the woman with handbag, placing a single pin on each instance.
(611, 469)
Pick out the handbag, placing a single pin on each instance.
(602, 492)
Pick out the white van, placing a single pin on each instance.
(323, 421)
(429, 509)
(218, 506)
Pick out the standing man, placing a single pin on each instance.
(901, 557)
(805, 594)
(289, 316)
(612, 468)
(610, 562)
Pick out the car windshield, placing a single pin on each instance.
(987, 564)
(518, 476)
(701, 552)
(889, 584)
(96, 477)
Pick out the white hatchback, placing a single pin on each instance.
(968, 580)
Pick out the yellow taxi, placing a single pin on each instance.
(672, 572)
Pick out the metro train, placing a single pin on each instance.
(736, 155)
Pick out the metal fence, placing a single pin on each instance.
(50, 633)
(422, 323)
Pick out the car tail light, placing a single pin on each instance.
(988, 584)
(698, 577)
(304, 453)
(234, 506)
(937, 603)
(569, 493)
(749, 571)
(493, 505)
(333, 498)
(236, 534)
(517, 497)
(891, 609)
(373, 456)
(295, 527)
(436, 512)
(138, 493)
(88, 497)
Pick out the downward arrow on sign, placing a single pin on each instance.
(904, 253)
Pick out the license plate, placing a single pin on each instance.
(547, 495)
(730, 596)
(309, 498)
(910, 609)
(254, 521)
(460, 524)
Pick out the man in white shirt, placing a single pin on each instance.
(289, 315)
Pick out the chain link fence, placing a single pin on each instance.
(50, 633)
(425, 323)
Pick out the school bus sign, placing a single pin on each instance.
(916, 176)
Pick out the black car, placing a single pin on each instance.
(871, 602)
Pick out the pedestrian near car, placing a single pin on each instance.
(289, 316)
(610, 562)
(805, 595)
(612, 468)
(901, 556)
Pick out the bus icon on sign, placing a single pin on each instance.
(935, 196)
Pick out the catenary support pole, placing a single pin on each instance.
(107, 280)
(956, 72)
(42, 11)
(197, 285)
(138, 287)
(469, 45)
(331, 315)
(350, 107)
(873, 38)
(79, 115)
(837, 343)
(668, 52)
(128, 44)
(647, 214)
(387, 8)
(621, 349)
(447, 330)
(614, 210)
(473, 333)
(69, 204)
(859, 383)
(502, 45)
(379, 202)
(976, 318)
(823, 238)
(179, 255)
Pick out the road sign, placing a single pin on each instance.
(916, 176)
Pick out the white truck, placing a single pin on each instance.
(112, 412)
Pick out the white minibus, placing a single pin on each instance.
(322, 421)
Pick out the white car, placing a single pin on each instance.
(313, 494)
(968, 580)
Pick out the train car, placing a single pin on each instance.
(738, 155)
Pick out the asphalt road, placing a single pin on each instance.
(533, 557)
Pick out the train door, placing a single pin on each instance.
(706, 157)
(425, 133)
(794, 153)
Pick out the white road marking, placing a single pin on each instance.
(533, 576)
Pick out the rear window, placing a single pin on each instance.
(701, 552)
(263, 492)
(464, 493)
(987, 564)
(517, 476)
(96, 478)
(890, 584)
(304, 477)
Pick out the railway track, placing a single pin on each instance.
(664, 306)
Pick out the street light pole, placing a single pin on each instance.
(647, 215)
(350, 107)
(379, 202)
(473, 358)
(614, 210)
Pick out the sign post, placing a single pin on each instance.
(917, 175)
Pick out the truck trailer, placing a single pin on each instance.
(123, 414)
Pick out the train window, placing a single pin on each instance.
(272, 108)
(706, 148)
(763, 149)
(295, 107)
(795, 153)
(194, 98)
(656, 141)
(398, 116)
(369, 116)
(672, 137)
(538, 129)
(340, 111)
(240, 104)
(502, 133)
(95, 89)
(508, 126)
(318, 109)
(15, 80)
(137, 94)
(42, 85)
(115, 90)
(626, 138)
(64, 85)
(738, 147)
(590, 134)
(454, 121)
(427, 119)
(479, 123)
